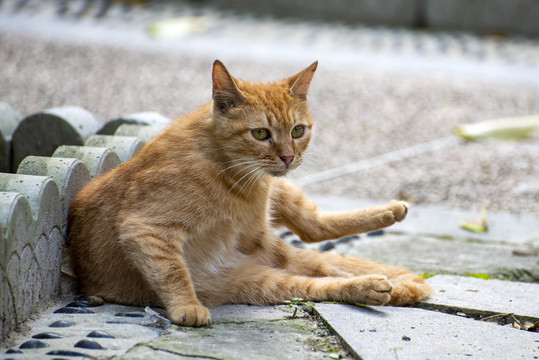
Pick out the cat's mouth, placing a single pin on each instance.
(279, 172)
(282, 170)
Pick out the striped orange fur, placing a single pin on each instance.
(188, 222)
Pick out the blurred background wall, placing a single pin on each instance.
(496, 17)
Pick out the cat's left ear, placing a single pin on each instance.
(226, 93)
(299, 83)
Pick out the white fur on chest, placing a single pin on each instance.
(212, 255)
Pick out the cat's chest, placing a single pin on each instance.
(224, 245)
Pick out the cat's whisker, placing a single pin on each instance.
(252, 180)
(258, 175)
(243, 177)
(240, 162)
(311, 162)
(246, 165)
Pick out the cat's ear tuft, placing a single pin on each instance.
(299, 83)
(226, 93)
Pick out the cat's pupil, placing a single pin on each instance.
(261, 134)
(297, 131)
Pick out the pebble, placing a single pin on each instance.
(79, 304)
(48, 335)
(88, 344)
(95, 301)
(328, 245)
(298, 243)
(61, 324)
(12, 351)
(133, 315)
(376, 233)
(67, 353)
(99, 334)
(33, 344)
(347, 239)
(286, 234)
(73, 310)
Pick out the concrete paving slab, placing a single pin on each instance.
(428, 254)
(248, 339)
(497, 296)
(407, 333)
(123, 332)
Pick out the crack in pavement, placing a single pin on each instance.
(180, 354)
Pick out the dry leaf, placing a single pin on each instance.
(178, 27)
(524, 253)
(516, 128)
(534, 327)
(477, 226)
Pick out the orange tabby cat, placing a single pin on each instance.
(187, 223)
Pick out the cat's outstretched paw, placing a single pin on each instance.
(191, 315)
(399, 209)
(372, 289)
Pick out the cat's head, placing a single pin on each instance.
(261, 127)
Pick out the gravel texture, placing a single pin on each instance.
(424, 89)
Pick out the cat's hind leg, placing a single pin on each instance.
(252, 283)
(408, 288)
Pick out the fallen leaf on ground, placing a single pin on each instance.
(524, 253)
(515, 128)
(477, 226)
(178, 27)
(534, 327)
(479, 276)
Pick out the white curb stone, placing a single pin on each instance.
(124, 146)
(34, 202)
(71, 175)
(98, 160)
(143, 118)
(143, 132)
(9, 119)
(15, 224)
(43, 132)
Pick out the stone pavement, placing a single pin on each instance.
(465, 317)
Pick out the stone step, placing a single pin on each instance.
(376, 332)
(408, 333)
(480, 298)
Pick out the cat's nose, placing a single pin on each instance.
(287, 159)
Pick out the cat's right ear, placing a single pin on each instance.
(226, 93)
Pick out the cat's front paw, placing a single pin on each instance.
(190, 315)
(399, 209)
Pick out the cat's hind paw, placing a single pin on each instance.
(190, 315)
(371, 290)
(410, 290)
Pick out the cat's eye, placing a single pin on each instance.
(261, 134)
(297, 131)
